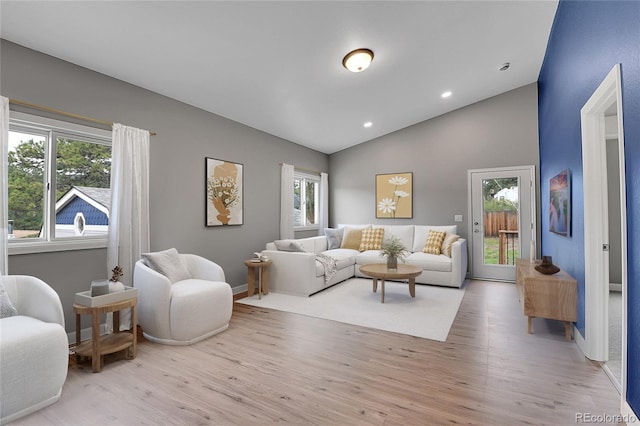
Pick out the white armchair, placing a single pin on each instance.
(34, 348)
(186, 311)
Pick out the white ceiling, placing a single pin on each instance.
(277, 66)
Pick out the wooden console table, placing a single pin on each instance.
(110, 343)
(547, 296)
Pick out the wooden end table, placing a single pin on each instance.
(547, 296)
(263, 277)
(99, 346)
(379, 271)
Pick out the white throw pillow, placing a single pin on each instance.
(168, 263)
(6, 307)
(288, 245)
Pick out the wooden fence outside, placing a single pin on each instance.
(494, 222)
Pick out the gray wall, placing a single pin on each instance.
(185, 136)
(497, 132)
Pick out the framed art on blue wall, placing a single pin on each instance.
(560, 203)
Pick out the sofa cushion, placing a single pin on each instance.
(168, 263)
(344, 258)
(370, 256)
(371, 239)
(289, 245)
(351, 238)
(449, 239)
(402, 232)
(430, 262)
(434, 242)
(334, 237)
(422, 232)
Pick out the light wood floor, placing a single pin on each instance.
(276, 367)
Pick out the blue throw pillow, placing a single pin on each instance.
(334, 237)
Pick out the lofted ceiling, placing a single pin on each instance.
(277, 66)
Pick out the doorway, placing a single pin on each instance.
(605, 244)
(502, 206)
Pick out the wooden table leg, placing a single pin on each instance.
(529, 325)
(375, 285)
(567, 330)
(133, 350)
(265, 280)
(251, 281)
(78, 333)
(382, 291)
(259, 282)
(412, 287)
(96, 361)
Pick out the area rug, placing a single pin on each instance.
(429, 315)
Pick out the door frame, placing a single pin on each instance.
(532, 171)
(595, 343)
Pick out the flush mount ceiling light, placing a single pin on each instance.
(445, 94)
(367, 124)
(358, 60)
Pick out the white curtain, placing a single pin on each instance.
(286, 201)
(4, 194)
(129, 212)
(324, 202)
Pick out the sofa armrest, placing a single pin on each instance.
(34, 298)
(290, 272)
(154, 298)
(203, 268)
(459, 258)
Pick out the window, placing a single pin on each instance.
(306, 201)
(58, 179)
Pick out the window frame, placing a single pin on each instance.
(304, 177)
(53, 130)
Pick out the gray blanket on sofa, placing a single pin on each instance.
(329, 264)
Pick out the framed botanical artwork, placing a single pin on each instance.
(560, 203)
(224, 192)
(394, 196)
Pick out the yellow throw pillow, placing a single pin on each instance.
(351, 239)
(449, 239)
(371, 239)
(434, 242)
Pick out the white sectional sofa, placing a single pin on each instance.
(296, 270)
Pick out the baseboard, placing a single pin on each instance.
(579, 341)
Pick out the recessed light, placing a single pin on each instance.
(504, 66)
(368, 124)
(446, 94)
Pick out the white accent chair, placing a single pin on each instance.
(186, 311)
(34, 348)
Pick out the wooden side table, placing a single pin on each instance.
(99, 346)
(547, 296)
(262, 269)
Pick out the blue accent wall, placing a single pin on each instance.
(587, 39)
(92, 216)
